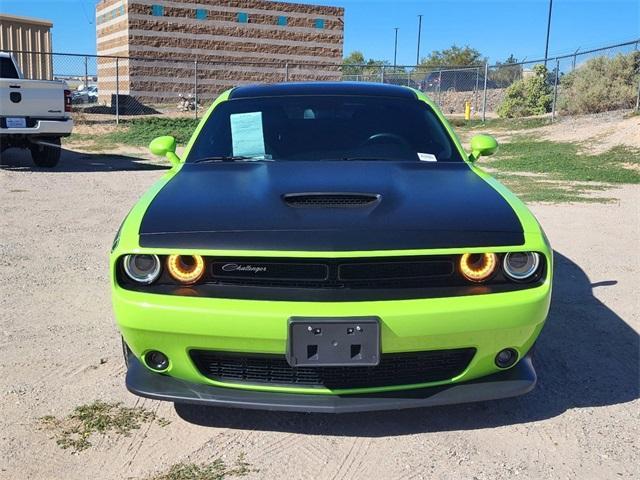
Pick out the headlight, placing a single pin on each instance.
(521, 266)
(185, 269)
(143, 269)
(478, 267)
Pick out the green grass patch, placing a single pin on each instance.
(75, 430)
(534, 189)
(565, 161)
(141, 131)
(500, 123)
(216, 470)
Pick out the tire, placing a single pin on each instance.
(46, 156)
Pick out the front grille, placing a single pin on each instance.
(394, 369)
(330, 200)
(375, 273)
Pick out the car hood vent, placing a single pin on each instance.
(330, 200)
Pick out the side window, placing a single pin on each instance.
(319, 23)
(157, 10)
(7, 69)
(282, 21)
(243, 17)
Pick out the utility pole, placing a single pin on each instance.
(395, 50)
(419, 34)
(546, 48)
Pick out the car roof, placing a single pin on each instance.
(322, 88)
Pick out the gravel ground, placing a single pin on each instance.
(60, 349)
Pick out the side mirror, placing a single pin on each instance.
(482, 145)
(165, 147)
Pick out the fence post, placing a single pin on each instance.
(439, 87)
(475, 91)
(195, 88)
(484, 95)
(382, 74)
(286, 72)
(86, 73)
(555, 90)
(117, 92)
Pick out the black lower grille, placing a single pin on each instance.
(394, 369)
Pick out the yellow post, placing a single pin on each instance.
(467, 110)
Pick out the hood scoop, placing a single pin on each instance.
(330, 200)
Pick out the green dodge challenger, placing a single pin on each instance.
(329, 247)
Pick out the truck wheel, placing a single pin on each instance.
(46, 155)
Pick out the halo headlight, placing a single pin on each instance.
(478, 267)
(144, 269)
(521, 266)
(186, 269)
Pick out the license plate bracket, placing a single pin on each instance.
(333, 341)
(15, 122)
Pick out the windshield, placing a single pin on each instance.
(303, 128)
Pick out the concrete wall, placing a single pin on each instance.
(28, 34)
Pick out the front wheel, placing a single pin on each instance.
(46, 156)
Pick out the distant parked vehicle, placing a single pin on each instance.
(464, 80)
(92, 91)
(80, 96)
(34, 114)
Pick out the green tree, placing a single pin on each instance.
(453, 56)
(531, 95)
(505, 73)
(356, 65)
(601, 84)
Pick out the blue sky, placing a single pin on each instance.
(496, 28)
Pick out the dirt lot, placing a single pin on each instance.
(60, 349)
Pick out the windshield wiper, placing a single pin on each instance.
(232, 158)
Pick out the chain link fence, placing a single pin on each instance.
(111, 89)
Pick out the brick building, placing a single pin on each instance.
(30, 41)
(231, 40)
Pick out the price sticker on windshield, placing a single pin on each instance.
(427, 157)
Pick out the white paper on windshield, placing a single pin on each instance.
(427, 157)
(247, 137)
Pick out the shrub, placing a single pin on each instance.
(601, 84)
(531, 95)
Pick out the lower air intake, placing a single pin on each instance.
(394, 369)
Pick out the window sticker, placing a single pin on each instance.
(247, 137)
(427, 157)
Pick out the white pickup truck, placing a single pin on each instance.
(34, 114)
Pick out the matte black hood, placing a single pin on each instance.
(241, 206)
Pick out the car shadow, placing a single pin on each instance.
(15, 159)
(586, 356)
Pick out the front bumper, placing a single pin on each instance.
(175, 325)
(509, 383)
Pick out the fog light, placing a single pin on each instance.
(156, 360)
(506, 358)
